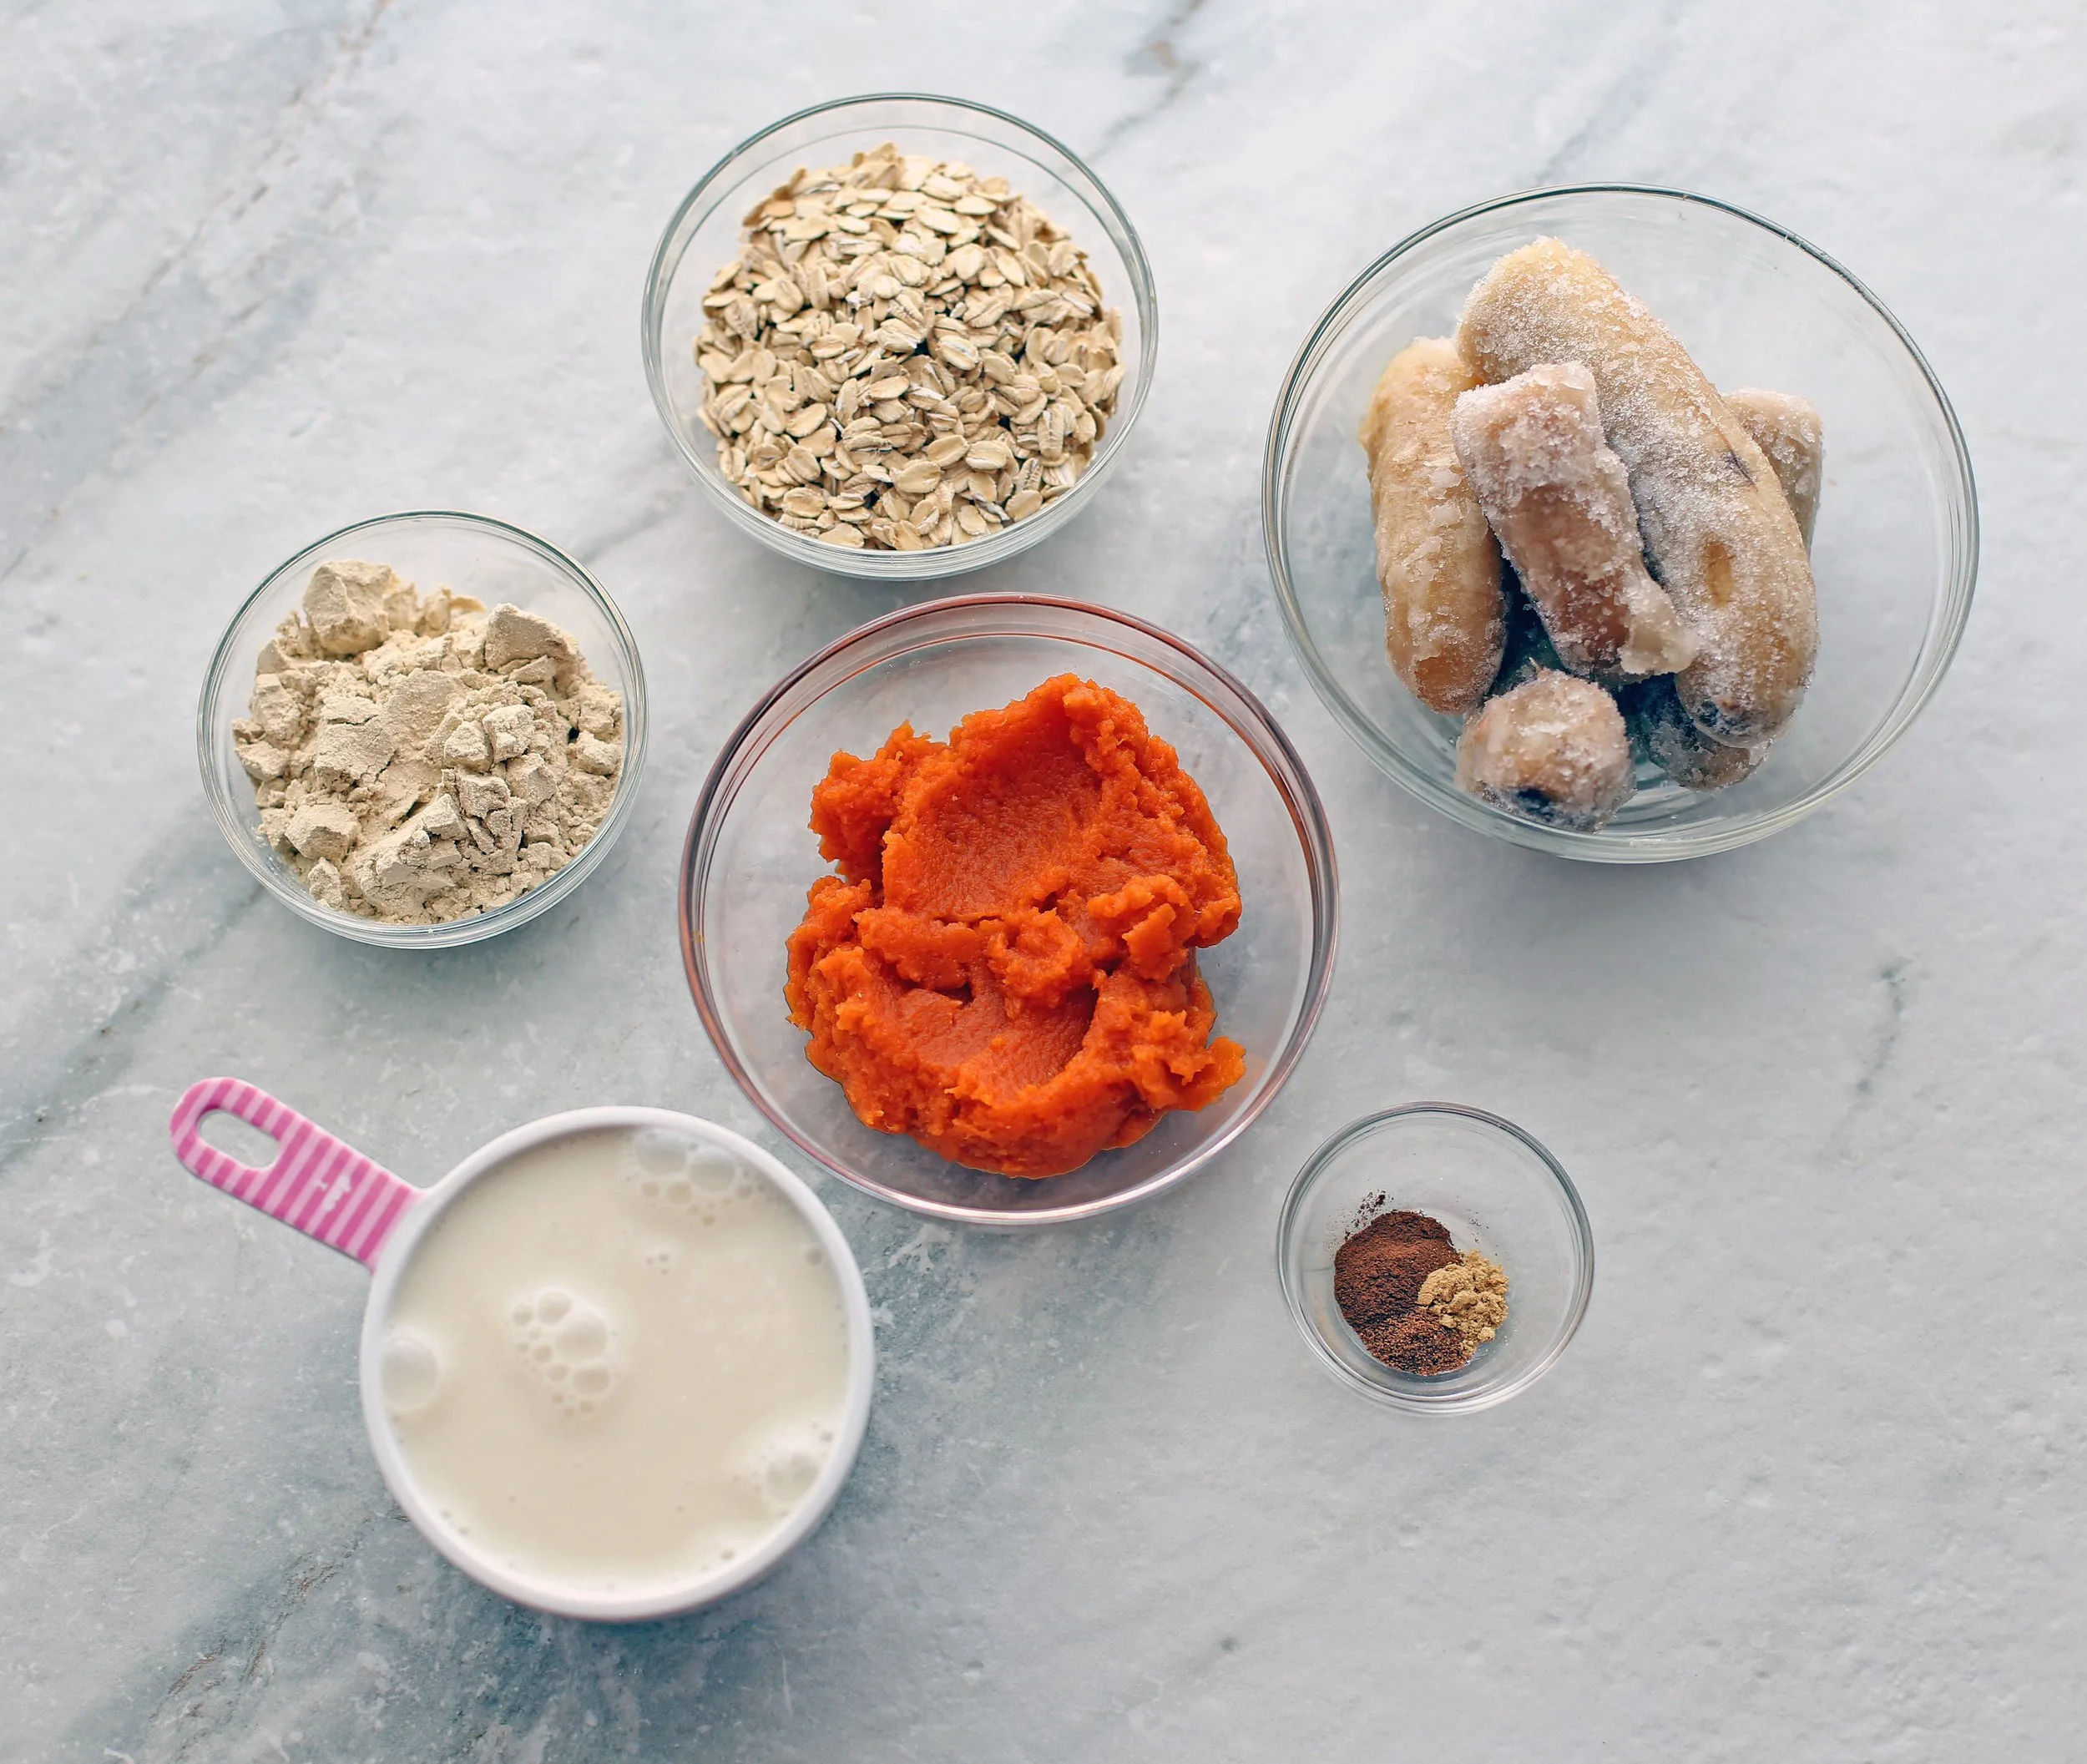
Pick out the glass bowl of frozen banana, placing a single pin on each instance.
(1618, 522)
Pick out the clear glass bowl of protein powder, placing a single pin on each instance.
(470, 554)
(1499, 1193)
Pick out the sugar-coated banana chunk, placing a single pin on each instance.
(1552, 749)
(1559, 502)
(1717, 527)
(1661, 730)
(1787, 429)
(1436, 558)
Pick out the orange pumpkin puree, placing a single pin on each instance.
(1005, 967)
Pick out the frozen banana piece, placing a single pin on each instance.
(1436, 558)
(1787, 429)
(1718, 530)
(1661, 732)
(1552, 749)
(1559, 502)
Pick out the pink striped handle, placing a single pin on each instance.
(320, 1185)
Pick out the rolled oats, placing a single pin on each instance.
(905, 355)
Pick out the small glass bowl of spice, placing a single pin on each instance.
(1436, 1258)
(424, 729)
(899, 337)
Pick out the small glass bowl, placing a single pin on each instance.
(704, 235)
(1896, 551)
(470, 554)
(750, 857)
(1499, 1193)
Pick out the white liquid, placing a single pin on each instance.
(620, 1360)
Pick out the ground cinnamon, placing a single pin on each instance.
(1377, 1276)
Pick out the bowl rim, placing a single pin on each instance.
(1946, 621)
(241, 833)
(1292, 782)
(661, 1600)
(1413, 1396)
(942, 560)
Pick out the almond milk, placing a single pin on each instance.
(619, 1359)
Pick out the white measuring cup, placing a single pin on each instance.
(327, 1189)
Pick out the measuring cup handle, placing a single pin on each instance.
(322, 1185)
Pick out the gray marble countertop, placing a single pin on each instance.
(1807, 1484)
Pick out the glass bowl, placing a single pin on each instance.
(750, 857)
(1895, 552)
(1498, 1191)
(472, 555)
(704, 235)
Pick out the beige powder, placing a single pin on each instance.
(417, 759)
(1470, 1296)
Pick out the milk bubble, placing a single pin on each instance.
(409, 1371)
(582, 1336)
(684, 1175)
(570, 1343)
(658, 1153)
(783, 1468)
(715, 1172)
(789, 1479)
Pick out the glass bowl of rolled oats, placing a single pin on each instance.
(899, 336)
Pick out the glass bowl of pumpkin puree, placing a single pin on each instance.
(1259, 973)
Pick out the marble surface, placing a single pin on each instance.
(1806, 1486)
